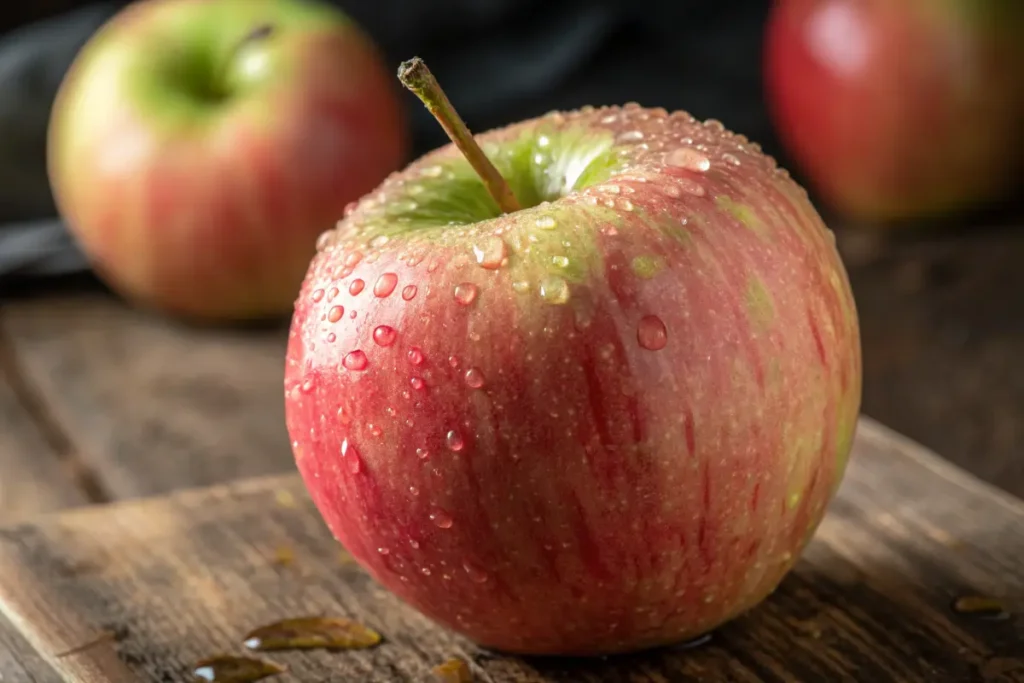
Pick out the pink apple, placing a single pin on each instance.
(608, 420)
(197, 148)
(898, 110)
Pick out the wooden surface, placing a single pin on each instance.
(174, 579)
(151, 406)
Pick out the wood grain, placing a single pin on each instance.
(175, 579)
(942, 325)
(152, 405)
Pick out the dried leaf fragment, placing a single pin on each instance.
(455, 670)
(231, 669)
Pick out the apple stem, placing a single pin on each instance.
(415, 76)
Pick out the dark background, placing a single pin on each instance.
(941, 304)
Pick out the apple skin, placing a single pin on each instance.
(196, 167)
(602, 423)
(899, 110)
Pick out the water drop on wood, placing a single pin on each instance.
(231, 669)
(305, 633)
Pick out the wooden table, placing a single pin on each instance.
(210, 533)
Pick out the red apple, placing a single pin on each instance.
(198, 147)
(897, 110)
(598, 409)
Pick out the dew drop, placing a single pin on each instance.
(334, 315)
(409, 293)
(546, 223)
(651, 333)
(417, 383)
(453, 361)
(520, 286)
(422, 453)
(352, 259)
(671, 191)
(379, 241)
(384, 335)
(351, 455)
(731, 159)
(625, 205)
(415, 492)
(688, 158)
(554, 290)
(465, 293)
(355, 360)
(318, 295)
(308, 385)
(476, 574)
(385, 285)
(692, 187)
(415, 355)
(356, 286)
(474, 378)
(331, 338)
(560, 261)
(454, 440)
(441, 519)
(383, 551)
(630, 136)
(332, 293)
(490, 253)
(432, 171)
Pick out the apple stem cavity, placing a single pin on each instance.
(415, 76)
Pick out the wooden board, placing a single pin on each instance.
(942, 322)
(152, 405)
(175, 579)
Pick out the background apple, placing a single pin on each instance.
(607, 420)
(197, 148)
(896, 110)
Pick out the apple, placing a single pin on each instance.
(198, 147)
(581, 385)
(899, 110)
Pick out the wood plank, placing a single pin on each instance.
(153, 405)
(942, 327)
(184, 577)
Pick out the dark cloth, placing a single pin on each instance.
(499, 60)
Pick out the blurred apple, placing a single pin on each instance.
(197, 148)
(896, 110)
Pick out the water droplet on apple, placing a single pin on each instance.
(688, 158)
(415, 492)
(475, 574)
(318, 294)
(422, 453)
(454, 440)
(432, 171)
(308, 385)
(331, 338)
(351, 455)
(625, 205)
(546, 223)
(385, 285)
(520, 286)
(610, 189)
(379, 241)
(731, 159)
(323, 239)
(714, 125)
(343, 416)
(651, 333)
(560, 261)
(356, 286)
(334, 315)
(384, 335)
(415, 355)
(474, 378)
(630, 136)
(453, 361)
(490, 253)
(671, 191)
(441, 519)
(332, 293)
(383, 551)
(417, 383)
(352, 314)
(409, 293)
(465, 293)
(355, 360)
(691, 187)
(554, 290)
(374, 429)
